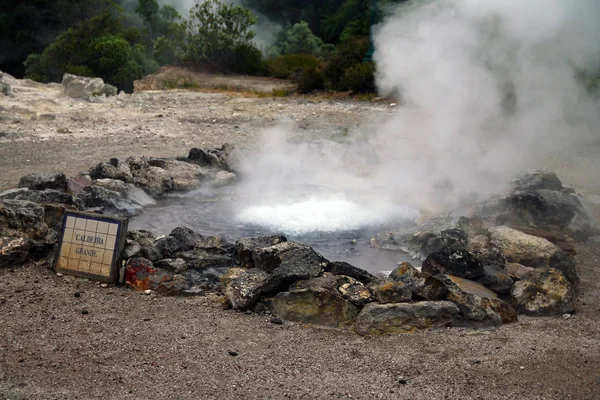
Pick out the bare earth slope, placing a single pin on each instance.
(132, 346)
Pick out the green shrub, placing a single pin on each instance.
(247, 59)
(283, 67)
(360, 78)
(299, 39)
(348, 54)
(309, 80)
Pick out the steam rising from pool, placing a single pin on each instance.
(332, 214)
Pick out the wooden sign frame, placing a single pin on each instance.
(91, 245)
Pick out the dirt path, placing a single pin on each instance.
(133, 346)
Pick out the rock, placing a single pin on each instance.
(496, 279)
(142, 275)
(521, 248)
(22, 219)
(56, 181)
(153, 180)
(244, 286)
(77, 184)
(131, 249)
(114, 185)
(162, 248)
(209, 252)
(143, 237)
(392, 292)
(517, 271)
(378, 319)
(476, 302)
(44, 196)
(54, 213)
(245, 247)
(14, 252)
(449, 239)
(354, 291)
(288, 262)
(343, 268)
(186, 237)
(455, 262)
(5, 89)
(209, 278)
(185, 176)
(224, 178)
(544, 291)
(316, 301)
(113, 169)
(538, 180)
(109, 202)
(175, 265)
(85, 88)
(565, 263)
(423, 285)
(216, 157)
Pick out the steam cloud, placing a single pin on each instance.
(488, 88)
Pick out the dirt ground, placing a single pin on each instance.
(112, 343)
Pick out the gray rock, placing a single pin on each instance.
(316, 301)
(175, 265)
(20, 218)
(354, 291)
(185, 176)
(131, 249)
(476, 302)
(565, 263)
(165, 247)
(83, 87)
(343, 268)
(113, 169)
(391, 292)
(496, 279)
(216, 157)
(377, 319)
(538, 180)
(455, 262)
(245, 247)
(224, 178)
(517, 271)
(521, 248)
(45, 196)
(186, 237)
(209, 252)
(243, 287)
(5, 89)
(544, 291)
(423, 285)
(56, 181)
(209, 278)
(143, 237)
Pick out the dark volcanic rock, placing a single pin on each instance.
(343, 268)
(496, 279)
(243, 287)
(186, 237)
(165, 247)
(153, 180)
(56, 181)
(288, 262)
(544, 291)
(142, 237)
(354, 291)
(391, 292)
(245, 247)
(113, 169)
(376, 319)
(175, 265)
(449, 239)
(216, 157)
(538, 180)
(455, 262)
(423, 285)
(14, 252)
(132, 248)
(142, 275)
(476, 302)
(316, 301)
(45, 196)
(565, 263)
(209, 278)
(209, 252)
(20, 218)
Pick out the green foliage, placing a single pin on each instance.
(348, 54)
(360, 78)
(215, 31)
(299, 39)
(284, 66)
(309, 80)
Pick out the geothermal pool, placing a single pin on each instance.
(335, 226)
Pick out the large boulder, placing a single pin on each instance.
(215, 157)
(316, 301)
(209, 252)
(243, 287)
(521, 248)
(82, 87)
(343, 268)
(184, 175)
(517, 271)
(455, 262)
(565, 264)
(22, 219)
(391, 292)
(165, 247)
(354, 291)
(376, 319)
(423, 285)
(44, 196)
(288, 262)
(544, 291)
(538, 180)
(113, 169)
(244, 248)
(496, 279)
(153, 180)
(476, 302)
(186, 237)
(56, 181)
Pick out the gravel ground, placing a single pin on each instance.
(116, 344)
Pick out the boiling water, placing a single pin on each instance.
(336, 227)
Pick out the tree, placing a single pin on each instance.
(216, 32)
(299, 39)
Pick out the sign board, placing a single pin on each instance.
(91, 245)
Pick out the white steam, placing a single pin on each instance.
(488, 88)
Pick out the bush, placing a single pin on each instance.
(283, 67)
(247, 59)
(360, 78)
(309, 80)
(299, 39)
(348, 54)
